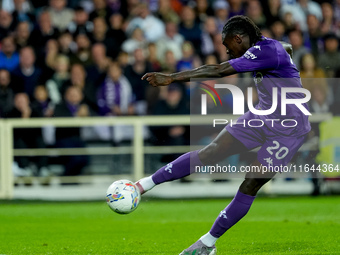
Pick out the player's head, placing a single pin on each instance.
(239, 34)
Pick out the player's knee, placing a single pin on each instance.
(210, 154)
(252, 186)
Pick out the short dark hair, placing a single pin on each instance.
(79, 9)
(330, 36)
(242, 25)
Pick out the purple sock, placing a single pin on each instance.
(179, 168)
(235, 211)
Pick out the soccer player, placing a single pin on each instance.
(268, 60)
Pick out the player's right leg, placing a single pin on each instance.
(223, 146)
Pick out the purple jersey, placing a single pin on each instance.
(273, 67)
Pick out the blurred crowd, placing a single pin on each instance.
(64, 58)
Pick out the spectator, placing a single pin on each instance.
(27, 72)
(255, 13)
(23, 12)
(51, 53)
(189, 60)
(47, 60)
(208, 34)
(166, 13)
(301, 10)
(55, 84)
(72, 106)
(44, 32)
(6, 94)
(123, 59)
(118, 7)
(22, 107)
(83, 52)
(221, 9)
(42, 102)
(308, 6)
(97, 71)
(132, 6)
(309, 69)
(45, 108)
(101, 35)
(115, 98)
(7, 5)
(66, 44)
(80, 23)
(9, 58)
(89, 91)
(169, 62)
(296, 40)
(313, 76)
(28, 138)
(313, 38)
(22, 35)
(203, 10)
(116, 32)
(266, 33)
(153, 58)
(337, 13)
(271, 10)
(152, 27)
(329, 60)
(172, 41)
(136, 41)
(101, 10)
(328, 24)
(211, 60)
(6, 24)
(319, 103)
(133, 73)
(289, 22)
(100, 30)
(278, 31)
(61, 16)
(236, 8)
(189, 28)
(115, 94)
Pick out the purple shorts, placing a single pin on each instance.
(276, 149)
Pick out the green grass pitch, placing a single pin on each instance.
(286, 225)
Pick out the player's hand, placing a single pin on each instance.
(158, 79)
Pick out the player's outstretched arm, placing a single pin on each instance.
(206, 71)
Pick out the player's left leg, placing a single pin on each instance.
(235, 211)
(223, 146)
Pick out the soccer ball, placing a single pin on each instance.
(123, 196)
